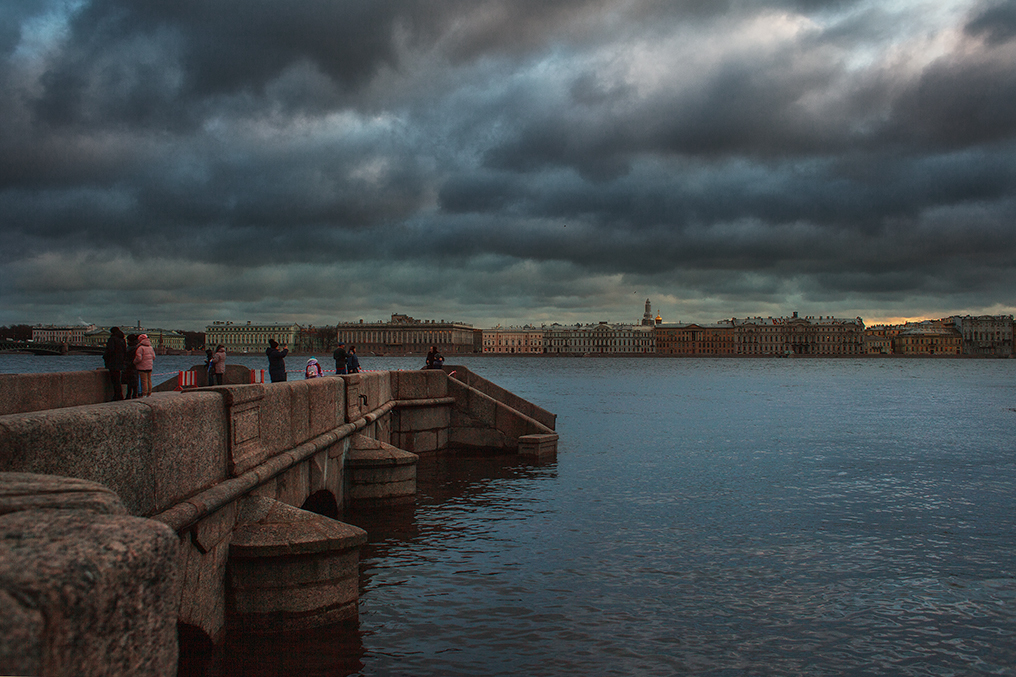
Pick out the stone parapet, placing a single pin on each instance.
(85, 589)
(138, 448)
(499, 394)
(481, 422)
(20, 393)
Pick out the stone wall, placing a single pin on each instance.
(85, 589)
(35, 392)
(191, 459)
(506, 397)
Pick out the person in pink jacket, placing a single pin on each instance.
(219, 364)
(144, 360)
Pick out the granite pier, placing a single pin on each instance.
(123, 523)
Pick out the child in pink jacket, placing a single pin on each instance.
(144, 359)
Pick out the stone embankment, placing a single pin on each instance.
(212, 506)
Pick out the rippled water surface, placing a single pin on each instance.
(702, 516)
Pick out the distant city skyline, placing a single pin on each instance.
(500, 162)
(521, 323)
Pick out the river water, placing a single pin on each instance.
(706, 516)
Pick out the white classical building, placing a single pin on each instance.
(73, 335)
(250, 337)
(526, 340)
(599, 339)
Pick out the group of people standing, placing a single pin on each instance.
(346, 362)
(129, 360)
(215, 365)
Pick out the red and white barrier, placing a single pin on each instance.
(186, 379)
(257, 375)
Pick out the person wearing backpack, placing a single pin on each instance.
(313, 369)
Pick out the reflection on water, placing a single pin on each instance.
(712, 516)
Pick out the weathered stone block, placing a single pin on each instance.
(203, 586)
(482, 438)
(424, 418)
(106, 585)
(189, 445)
(293, 486)
(381, 474)
(284, 573)
(418, 385)
(322, 394)
(299, 393)
(291, 569)
(422, 442)
(20, 393)
(110, 444)
(539, 445)
(378, 470)
(474, 403)
(28, 491)
(355, 407)
(383, 492)
(511, 423)
(276, 414)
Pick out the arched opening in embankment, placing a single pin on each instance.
(322, 503)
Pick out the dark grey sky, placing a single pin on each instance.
(505, 161)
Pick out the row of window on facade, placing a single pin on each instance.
(980, 335)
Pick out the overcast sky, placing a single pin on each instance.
(505, 161)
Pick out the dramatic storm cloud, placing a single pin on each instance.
(505, 161)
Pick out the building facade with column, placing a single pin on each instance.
(928, 338)
(599, 339)
(162, 340)
(823, 336)
(526, 340)
(984, 335)
(404, 335)
(251, 337)
(696, 339)
(73, 335)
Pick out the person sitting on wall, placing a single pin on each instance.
(313, 369)
(276, 361)
(340, 356)
(434, 359)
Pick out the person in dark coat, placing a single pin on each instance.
(276, 361)
(352, 361)
(209, 367)
(130, 371)
(435, 360)
(340, 356)
(114, 357)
